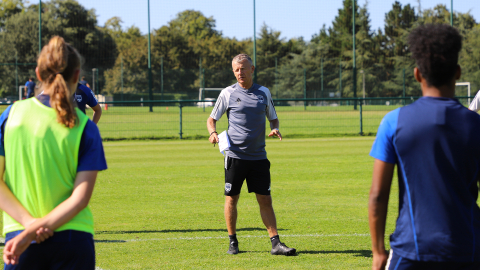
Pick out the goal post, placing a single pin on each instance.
(201, 91)
(21, 90)
(468, 89)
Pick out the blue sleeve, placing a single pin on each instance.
(3, 121)
(91, 156)
(92, 101)
(384, 145)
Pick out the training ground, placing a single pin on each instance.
(160, 206)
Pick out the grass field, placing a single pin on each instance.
(160, 206)
(130, 122)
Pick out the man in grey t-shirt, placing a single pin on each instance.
(247, 104)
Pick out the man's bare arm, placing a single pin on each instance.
(212, 126)
(377, 210)
(97, 113)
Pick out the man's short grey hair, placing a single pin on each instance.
(239, 58)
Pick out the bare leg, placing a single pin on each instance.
(231, 213)
(268, 216)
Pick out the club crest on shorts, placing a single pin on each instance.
(261, 99)
(228, 187)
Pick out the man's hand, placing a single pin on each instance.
(380, 260)
(213, 138)
(275, 133)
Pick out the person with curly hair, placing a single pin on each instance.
(434, 143)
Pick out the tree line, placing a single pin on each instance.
(189, 52)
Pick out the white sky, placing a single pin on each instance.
(235, 18)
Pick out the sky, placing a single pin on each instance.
(293, 18)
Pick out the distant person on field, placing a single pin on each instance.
(83, 96)
(84, 82)
(29, 88)
(51, 154)
(247, 104)
(434, 143)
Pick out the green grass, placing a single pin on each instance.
(160, 206)
(137, 122)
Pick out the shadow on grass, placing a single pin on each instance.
(358, 253)
(183, 231)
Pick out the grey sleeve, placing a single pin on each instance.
(271, 112)
(221, 105)
(475, 104)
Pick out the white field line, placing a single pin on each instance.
(242, 236)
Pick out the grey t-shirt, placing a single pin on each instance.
(246, 110)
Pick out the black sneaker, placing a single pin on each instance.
(282, 249)
(233, 249)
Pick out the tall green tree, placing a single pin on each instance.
(399, 66)
(9, 8)
(66, 18)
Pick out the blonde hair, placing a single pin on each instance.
(57, 64)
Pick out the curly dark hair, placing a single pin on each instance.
(435, 48)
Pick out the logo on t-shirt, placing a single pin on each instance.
(94, 96)
(78, 98)
(261, 99)
(238, 100)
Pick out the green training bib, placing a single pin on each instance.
(41, 158)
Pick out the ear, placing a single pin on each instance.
(76, 76)
(253, 68)
(418, 75)
(458, 73)
(38, 74)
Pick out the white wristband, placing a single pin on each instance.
(276, 129)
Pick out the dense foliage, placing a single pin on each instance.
(189, 52)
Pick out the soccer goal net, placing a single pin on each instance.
(208, 93)
(463, 91)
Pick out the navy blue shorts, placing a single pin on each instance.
(69, 249)
(395, 262)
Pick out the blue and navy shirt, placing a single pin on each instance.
(435, 144)
(30, 88)
(84, 96)
(91, 156)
